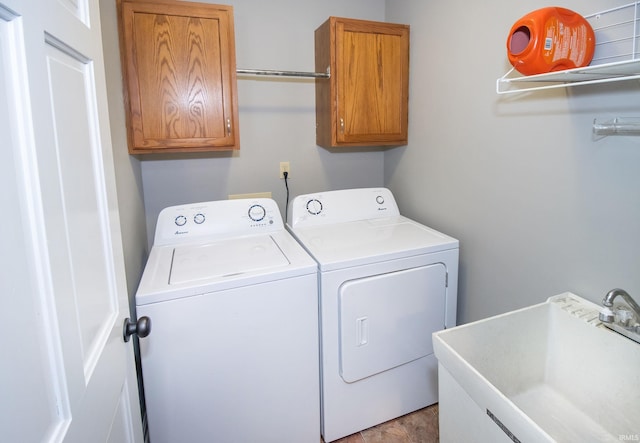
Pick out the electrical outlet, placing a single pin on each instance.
(284, 167)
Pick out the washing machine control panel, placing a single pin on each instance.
(217, 219)
(341, 206)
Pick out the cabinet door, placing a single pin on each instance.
(180, 74)
(365, 102)
(372, 73)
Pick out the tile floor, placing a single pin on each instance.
(418, 427)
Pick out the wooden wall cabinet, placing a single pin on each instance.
(365, 101)
(179, 68)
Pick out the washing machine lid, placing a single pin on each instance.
(224, 258)
(184, 270)
(340, 245)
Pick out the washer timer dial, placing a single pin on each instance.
(257, 213)
(181, 220)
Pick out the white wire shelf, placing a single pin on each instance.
(616, 56)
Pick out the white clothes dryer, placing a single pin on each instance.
(386, 283)
(233, 351)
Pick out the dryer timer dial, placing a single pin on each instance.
(314, 206)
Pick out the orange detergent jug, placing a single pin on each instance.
(550, 39)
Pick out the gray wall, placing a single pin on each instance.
(538, 206)
(277, 117)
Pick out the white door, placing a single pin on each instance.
(65, 372)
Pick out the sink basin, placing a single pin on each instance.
(549, 372)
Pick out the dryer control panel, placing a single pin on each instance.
(341, 206)
(217, 219)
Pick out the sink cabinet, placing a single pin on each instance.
(180, 76)
(365, 100)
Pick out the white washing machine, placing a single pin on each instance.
(385, 284)
(233, 351)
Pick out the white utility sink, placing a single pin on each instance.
(549, 372)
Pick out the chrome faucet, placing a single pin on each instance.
(622, 321)
(607, 315)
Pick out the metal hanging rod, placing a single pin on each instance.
(284, 73)
(617, 126)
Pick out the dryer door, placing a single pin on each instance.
(387, 320)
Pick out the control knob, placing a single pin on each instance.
(314, 206)
(257, 213)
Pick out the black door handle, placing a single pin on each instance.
(142, 327)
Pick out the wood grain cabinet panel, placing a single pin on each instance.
(365, 100)
(180, 76)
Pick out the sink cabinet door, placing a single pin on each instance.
(365, 101)
(180, 76)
